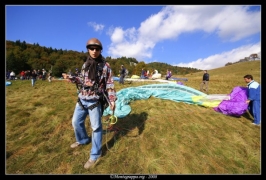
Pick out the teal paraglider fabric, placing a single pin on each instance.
(174, 92)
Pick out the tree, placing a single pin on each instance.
(138, 68)
(11, 61)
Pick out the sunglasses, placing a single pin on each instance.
(91, 48)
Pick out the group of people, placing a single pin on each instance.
(26, 75)
(253, 99)
(144, 74)
(30, 75)
(96, 82)
(37, 75)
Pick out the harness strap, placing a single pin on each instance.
(91, 107)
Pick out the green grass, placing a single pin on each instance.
(158, 136)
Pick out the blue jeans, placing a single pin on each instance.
(78, 123)
(254, 109)
(121, 80)
(33, 82)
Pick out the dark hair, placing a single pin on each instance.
(248, 76)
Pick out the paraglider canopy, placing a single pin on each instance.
(174, 92)
(237, 105)
(232, 104)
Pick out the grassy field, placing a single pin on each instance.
(158, 136)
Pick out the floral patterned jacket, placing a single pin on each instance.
(106, 84)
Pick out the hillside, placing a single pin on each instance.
(222, 76)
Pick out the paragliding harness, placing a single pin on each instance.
(103, 99)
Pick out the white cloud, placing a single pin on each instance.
(96, 27)
(219, 60)
(230, 23)
(117, 35)
(238, 23)
(127, 42)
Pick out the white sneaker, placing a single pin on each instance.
(75, 144)
(90, 163)
(256, 124)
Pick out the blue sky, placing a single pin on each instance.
(197, 36)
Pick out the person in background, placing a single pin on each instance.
(122, 74)
(39, 74)
(142, 73)
(168, 74)
(96, 84)
(28, 74)
(50, 76)
(43, 74)
(12, 75)
(22, 75)
(33, 77)
(8, 75)
(148, 73)
(145, 75)
(77, 72)
(253, 100)
(204, 86)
